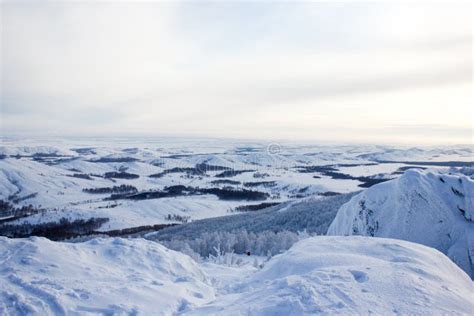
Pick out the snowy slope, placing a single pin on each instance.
(350, 276)
(102, 276)
(51, 174)
(313, 215)
(330, 275)
(385, 153)
(429, 208)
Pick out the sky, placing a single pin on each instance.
(363, 72)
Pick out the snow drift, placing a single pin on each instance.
(350, 276)
(345, 275)
(429, 208)
(102, 276)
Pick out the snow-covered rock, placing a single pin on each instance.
(350, 276)
(102, 276)
(426, 207)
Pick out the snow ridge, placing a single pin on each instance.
(350, 276)
(329, 275)
(427, 207)
(102, 276)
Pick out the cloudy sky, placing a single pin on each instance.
(342, 72)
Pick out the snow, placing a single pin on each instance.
(329, 275)
(34, 149)
(50, 184)
(386, 153)
(370, 170)
(347, 276)
(138, 213)
(102, 276)
(262, 232)
(428, 207)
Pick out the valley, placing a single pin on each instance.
(134, 183)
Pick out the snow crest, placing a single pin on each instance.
(329, 275)
(102, 276)
(430, 208)
(350, 276)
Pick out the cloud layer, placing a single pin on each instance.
(313, 71)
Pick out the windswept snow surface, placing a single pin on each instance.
(427, 207)
(99, 277)
(347, 276)
(329, 275)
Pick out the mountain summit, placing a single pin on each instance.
(427, 207)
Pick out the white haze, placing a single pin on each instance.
(347, 72)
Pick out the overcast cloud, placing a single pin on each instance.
(350, 72)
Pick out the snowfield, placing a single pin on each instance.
(431, 208)
(99, 277)
(229, 198)
(347, 276)
(329, 275)
(55, 175)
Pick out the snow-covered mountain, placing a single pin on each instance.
(431, 208)
(343, 275)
